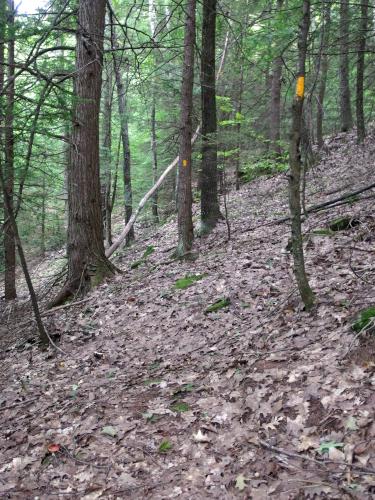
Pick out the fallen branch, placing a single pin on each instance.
(121, 238)
(345, 198)
(299, 456)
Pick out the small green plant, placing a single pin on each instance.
(180, 407)
(188, 281)
(165, 446)
(364, 320)
(263, 166)
(325, 447)
(149, 250)
(219, 304)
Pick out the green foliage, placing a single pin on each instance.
(149, 250)
(364, 320)
(219, 304)
(325, 447)
(165, 446)
(180, 407)
(262, 166)
(188, 281)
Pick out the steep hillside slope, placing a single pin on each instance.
(156, 397)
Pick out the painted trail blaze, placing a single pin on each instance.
(300, 87)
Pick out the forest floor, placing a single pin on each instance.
(155, 397)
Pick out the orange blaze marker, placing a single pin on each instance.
(300, 87)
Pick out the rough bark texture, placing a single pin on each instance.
(210, 210)
(9, 241)
(87, 263)
(296, 165)
(238, 127)
(345, 100)
(361, 130)
(107, 157)
(323, 71)
(184, 202)
(275, 109)
(123, 112)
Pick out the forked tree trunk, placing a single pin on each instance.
(296, 164)
(323, 71)
(87, 263)
(210, 210)
(345, 100)
(185, 222)
(361, 129)
(9, 241)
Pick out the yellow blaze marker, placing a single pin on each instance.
(300, 87)
(184, 163)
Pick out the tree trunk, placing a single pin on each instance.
(9, 241)
(107, 156)
(152, 20)
(238, 127)
(123, 112)
(87, 263)
(296, 164)
(185, 221)
(323, 71)
(361, 130)
(210, 210)
(275, 110)
(345, 101)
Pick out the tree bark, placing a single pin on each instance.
(154, 153)
(345, 100)
(124, 124)
(9, 241)
(87, 263)
(296, 164)
(361, 129)
(184, 202)
(323, 71)
(210, 209)
(107, 156)
(275, 109)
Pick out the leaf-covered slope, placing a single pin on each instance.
(156, 398)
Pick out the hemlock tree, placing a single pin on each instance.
(275, 108)
(345, 100)
(9, 236)
(210, 211)
(184, 194)
(87, 263)
(323, 66)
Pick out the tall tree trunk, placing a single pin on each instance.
(238, 127)
(323, 71)
(87, 263)
(275, 109)
(296, 164)
(361, 130)
(184, 202)
(124, 124)
(345, 101)
(210, 210)
(107, 156)
(43, 216)
(154, 153)
(9, 241)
